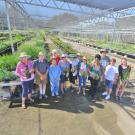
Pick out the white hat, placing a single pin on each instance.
(40, 54)
(63, 55)
(54, 51)
(23, 54)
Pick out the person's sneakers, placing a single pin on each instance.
(84, 92)
(104, 93)
(78, 92)
(23, 106)
(53, 95)
(107, 97)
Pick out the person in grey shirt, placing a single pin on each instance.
(105, 61)
(40, 67)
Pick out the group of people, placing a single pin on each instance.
(74, 68)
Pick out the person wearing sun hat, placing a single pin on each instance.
(25, 73)
(83, 73)
(40, 67)
(64, 66)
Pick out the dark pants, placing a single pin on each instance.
(27, 87)
(93, 87)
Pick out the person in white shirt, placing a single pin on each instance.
(111, 74)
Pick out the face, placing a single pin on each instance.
(103, 54)
(41, 57)
(79, 57)
(53, 62)
(64, 59)
(124, 62)
(85, 61)
(112, 62)
(96, 60)
(24, 59)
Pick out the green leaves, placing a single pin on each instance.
(6, 75)
(63, 46)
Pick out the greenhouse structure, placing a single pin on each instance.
(67, 67)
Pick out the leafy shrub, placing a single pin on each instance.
(32, 48)
(7, 75)
(8, 62)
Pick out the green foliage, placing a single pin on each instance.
(32, 48)
(6, 43)
(8, 62)
(6, 75)
(63, 46)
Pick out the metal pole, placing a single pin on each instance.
(9, 27)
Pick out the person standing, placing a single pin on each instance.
(83, 74)
(54, 54)
(105, 60)
(64, 65)
(54, 74)
(124, 74)
(40, 67)
(111, 75)
(24, 71)
(96, 72)
(73, 70)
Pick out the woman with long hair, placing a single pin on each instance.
(124, 73)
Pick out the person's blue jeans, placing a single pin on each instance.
(54, 87)
(82, 81)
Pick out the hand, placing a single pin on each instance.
(42, 77)
(24, 78)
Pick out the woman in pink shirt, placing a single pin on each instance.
(26, 75)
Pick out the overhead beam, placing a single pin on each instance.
(55, 5)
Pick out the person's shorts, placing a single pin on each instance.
(63, 78)
(123, 83)
(27, 87)
(108, 84)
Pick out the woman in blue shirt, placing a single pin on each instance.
(54, 74)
